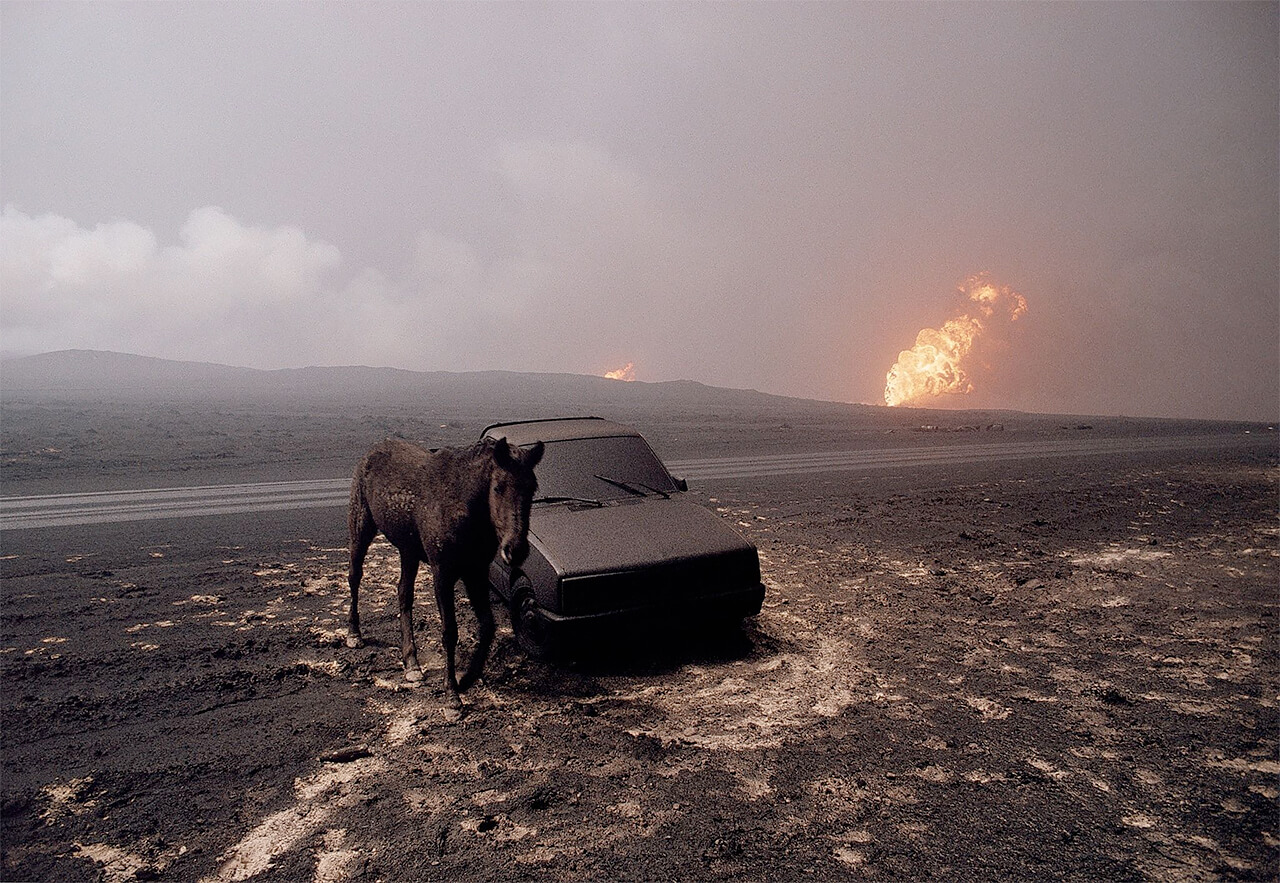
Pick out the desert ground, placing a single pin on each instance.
(1058, 668)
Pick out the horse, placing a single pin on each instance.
(454, 509)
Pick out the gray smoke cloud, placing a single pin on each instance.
(760, 195)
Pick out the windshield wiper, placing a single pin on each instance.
(626, 486)
(621, 484)
(595, 503)
(663, 494)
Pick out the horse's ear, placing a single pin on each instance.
(533, 455)
(502, 453)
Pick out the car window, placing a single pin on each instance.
(570, 468)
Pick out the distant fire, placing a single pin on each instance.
(626, 372)
(939, 363)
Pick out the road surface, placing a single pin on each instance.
(61, 510)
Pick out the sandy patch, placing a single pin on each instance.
(755, 706)
(1119, 558)
(1244, 764)
(319, 797)
(988, 708)
(118, 865)
(67, 798)
(339, 860)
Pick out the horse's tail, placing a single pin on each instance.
(361, 530)
(360, 525)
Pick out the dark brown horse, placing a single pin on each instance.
(454, 509)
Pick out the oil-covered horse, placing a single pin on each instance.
(454, 509)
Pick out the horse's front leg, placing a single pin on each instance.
(444, 579)
(404, 593)
(477, 585)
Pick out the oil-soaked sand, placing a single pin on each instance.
(1058, 669)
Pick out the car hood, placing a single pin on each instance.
(629, 534)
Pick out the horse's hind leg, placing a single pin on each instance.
(408, 646)
(478, 593)
(362, 530)
(444, 579)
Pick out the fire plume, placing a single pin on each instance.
(940, 362)
(626, 372)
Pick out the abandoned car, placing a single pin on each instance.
(613, 543)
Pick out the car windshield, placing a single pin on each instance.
(601, 469)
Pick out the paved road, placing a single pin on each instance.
(58, 510)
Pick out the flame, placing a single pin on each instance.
(626, 372)
(939, 362)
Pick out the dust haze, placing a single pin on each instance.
(777, 197)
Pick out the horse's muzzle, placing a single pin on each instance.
(513, 554)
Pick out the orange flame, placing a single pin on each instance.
(937, 364)
(626, 372)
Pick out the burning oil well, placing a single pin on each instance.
(943, 360)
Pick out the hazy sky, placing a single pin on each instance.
(776, 196)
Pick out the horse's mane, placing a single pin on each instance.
(475, 449)
(481, 450)
(475, 454)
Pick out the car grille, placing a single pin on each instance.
(666, 584)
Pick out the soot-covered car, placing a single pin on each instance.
(613, 542)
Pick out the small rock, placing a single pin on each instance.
(345, 754)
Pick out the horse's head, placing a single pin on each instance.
(511, 489)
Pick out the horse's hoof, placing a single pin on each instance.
(355, 642)
(455, 702)
(413, 675)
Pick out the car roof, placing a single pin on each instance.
(526, 432)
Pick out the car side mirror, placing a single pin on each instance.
(681, 484)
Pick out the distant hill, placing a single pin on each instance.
(99, 375)
(99, 371)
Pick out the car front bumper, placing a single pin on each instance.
(723, 607)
